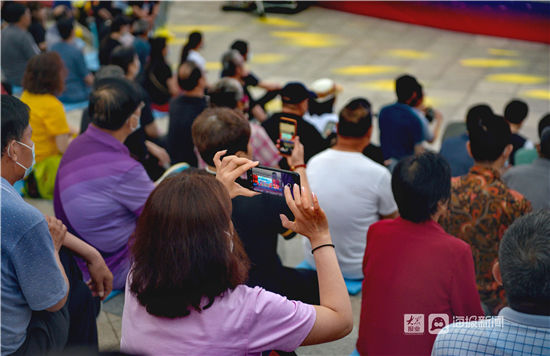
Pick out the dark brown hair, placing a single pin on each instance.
(45, 74)
(185, 247)
(218, 129)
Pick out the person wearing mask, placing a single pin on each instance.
(158, 80)
(17, 44)
(43, 81)
(204, 307)
(524, 325)
(482, 206)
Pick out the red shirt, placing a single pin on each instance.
(417, 269)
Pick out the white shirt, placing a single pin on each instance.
(353, 191)
(196, 58)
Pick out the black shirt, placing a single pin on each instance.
(106, 48)
(183, 111)
(155, 81)
(309, 136)
(38, 32)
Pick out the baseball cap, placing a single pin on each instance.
(295, 92)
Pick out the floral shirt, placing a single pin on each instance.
(480, 211)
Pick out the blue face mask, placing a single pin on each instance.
(29, 169)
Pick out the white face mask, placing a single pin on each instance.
(28, 170)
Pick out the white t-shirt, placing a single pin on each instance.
(197, 58)
(353, 191)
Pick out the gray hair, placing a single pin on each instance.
(524, 258)
(227, 92)
(231, 60)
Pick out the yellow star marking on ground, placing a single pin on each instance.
(502, 52)
(489, 62)
(365, 70)
(279, 22)
(267, 58)
(308, 39)
(380, 85)
(200, 28)
(409, 53)
(213, 66)
(516, 78)
(543, 94)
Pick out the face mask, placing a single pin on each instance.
(29, 169)
(138, 123)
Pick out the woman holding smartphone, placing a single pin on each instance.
(185, 292)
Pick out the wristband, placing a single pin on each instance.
(318, 247)
(293, 168)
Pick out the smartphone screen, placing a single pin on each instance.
(270, 180)
(287, 132)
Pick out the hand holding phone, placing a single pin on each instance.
(271, 180)
(287, 134)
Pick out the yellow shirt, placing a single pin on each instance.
(47, 120)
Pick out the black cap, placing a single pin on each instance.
(295, 92)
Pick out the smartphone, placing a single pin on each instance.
(287, 133)
(271, 180)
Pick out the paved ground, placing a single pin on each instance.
(364, 55)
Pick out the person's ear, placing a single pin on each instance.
(469, 149)
(369, 133)
(496, 273)
(538, 148)
(507, 151)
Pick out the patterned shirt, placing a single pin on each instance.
(511, 333)
(480, 211)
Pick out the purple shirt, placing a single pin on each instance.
(244, 321)
(99, 193)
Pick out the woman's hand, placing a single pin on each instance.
(310, 219)
(101, 278)
(296, 158)
(231, 168)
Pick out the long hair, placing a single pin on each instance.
(195, 38)
(185, 249)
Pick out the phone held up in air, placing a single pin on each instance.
(271, 180)
(287, 134)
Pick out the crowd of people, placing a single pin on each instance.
(170, 221)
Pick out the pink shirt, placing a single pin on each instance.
(245, 321)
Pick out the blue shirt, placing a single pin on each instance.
(75, 87)
(454, 151)
(31, 279)
(400, 130)
(512, 333)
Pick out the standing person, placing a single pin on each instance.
(100, 189)
(522, 270)
(43, 81)
(482, 206)
(533, 180)
(79, 79)
(183, 111)
(158, 80)
(414, 271)
(515, 114)
(190, 51)
(343, 173)
(18, 45)
(295, 103)
(204, 307)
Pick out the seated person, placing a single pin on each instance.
(140, 29)
(100, 189)
(482, 206)
(119, 27)
(190, 51)
(158, 80)
(515, 114)
(532, 180)
(454, 148)
(256, 219)
(18, 46)
(522, 270)
(343, 174)
(228, 93)
(295, 98)
(42, 82)
(79, 79)
(39, 314)
(37, 28)
(183, 111)
(321, 108)
(203, 307)
(412, 266)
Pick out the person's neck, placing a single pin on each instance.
(531, 308)
(9, 174)
(21, 26)
(497, 165)
(287, 110)
(119, 134)
(349, 144)
(514, 128)
(198, 92)
(115, 35)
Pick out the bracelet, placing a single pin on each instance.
(293, 168)
(318, 247)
